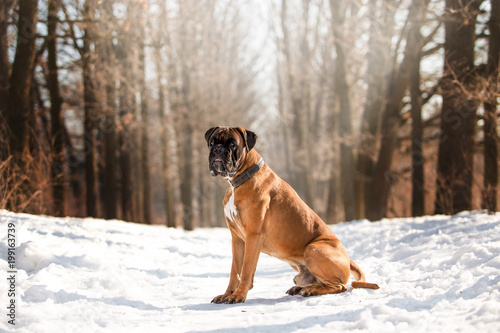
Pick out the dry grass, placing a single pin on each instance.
(23, 184)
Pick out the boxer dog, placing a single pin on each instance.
(264, 214)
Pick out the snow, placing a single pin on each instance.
(436, 274)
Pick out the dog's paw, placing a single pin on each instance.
(295, 290)
(309, 291)
(234, 298)
(220, 299)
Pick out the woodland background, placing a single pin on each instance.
(369, 109)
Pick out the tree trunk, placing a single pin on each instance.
(57, 122)
(305, 71)
(122, 53)
(136, 158)
(5, 8)
(107, 77)
(332, 214)
(382, 177)
(417, 129)
(166, 161)
(146, 178)
(144, 128)
(174, 99)
(19, 107)
(345, 127)
(284, 125)
(296, 85)
(110, 136)
(110, 154)
(381, 32)
(125, 147)
(187, 176)
(90, 108)
(490, 115)
(458, 116)
(186, 170)
(417, 132)
(133, 48)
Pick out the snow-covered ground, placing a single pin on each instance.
(436, 274)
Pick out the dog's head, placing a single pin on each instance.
(229, 147)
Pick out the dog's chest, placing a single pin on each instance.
(230, 209)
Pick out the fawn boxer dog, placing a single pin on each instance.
(264, 214)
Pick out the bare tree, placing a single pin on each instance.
(144, 127)
(338, 123)
(381, 178)
(417, 133)
(57, 122)
(126, 117)
(5, 67)
(90, 106)
(377, 75)
(187, 36)
(19, 107)
(297, 71)
(343, 91)
(490, 112)
(168, 191)
(108, 78)
(458, 116)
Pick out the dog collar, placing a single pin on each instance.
(247, 174)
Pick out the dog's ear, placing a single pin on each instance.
(251, 140)
(249, 137)
(209, 133)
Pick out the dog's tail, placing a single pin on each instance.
(360, 278)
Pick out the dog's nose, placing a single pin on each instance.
(219, 149)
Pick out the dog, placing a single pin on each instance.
(264, 214)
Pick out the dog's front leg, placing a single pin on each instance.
(238, 250)
(253, 244)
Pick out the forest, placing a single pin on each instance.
(368, 108)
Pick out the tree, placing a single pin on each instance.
(90, 107)
(5, 67)
(168, 191)
(297, 70)
(18, 184)
(381, 179)
(490, 112)
(458, 116)
(19, 107)
(109, 78)
(417, 135)
(146, 78)
(345, 127)
(58, 158)
(184, 107)
(124, 133)
(380, 33)
(144, 127)
(417, 127)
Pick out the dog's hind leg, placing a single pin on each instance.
(303, 279)
(328, 261)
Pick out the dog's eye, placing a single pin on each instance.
(211, 144)
(232, 146)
